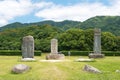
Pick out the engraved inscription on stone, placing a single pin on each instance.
(54, 46)
(28, 47)
(97, 41)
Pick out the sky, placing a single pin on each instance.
(29, 11)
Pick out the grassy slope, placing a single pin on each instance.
(68, 70)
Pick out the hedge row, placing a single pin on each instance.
(111, 53)
(76, 53)
(86, 53)
(72, 53)
(16, 52)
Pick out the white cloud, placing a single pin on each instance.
(3, 22)
(42, 4)
(78, 12)
(9, 9)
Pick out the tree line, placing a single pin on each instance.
(71, 39)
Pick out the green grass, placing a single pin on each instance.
(67, 70)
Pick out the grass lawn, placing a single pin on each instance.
(67, 70)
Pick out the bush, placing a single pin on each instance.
(111, 53)
(37, 53)
(86, 53)
(16, 52)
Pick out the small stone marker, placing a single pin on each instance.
(97, 45)
(54, 51)
(28, 48)
(91, 69)
(69, 53)
(20, 68)
(117, 71)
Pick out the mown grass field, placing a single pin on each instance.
(67, 70)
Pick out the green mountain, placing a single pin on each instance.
(106, 23)
(64, 25)
(13, 25)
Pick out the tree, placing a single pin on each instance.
(89, 36)
(72, 39)
(108, 41)
(118, 43)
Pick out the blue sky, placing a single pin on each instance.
(27, 11)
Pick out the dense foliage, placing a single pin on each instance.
(71, 39)
(16, 52)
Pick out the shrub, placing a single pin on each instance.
(111, 53)
(76, 53)
(37, 53)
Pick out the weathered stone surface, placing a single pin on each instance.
(54, 51)
(92, 55)
(97, 45)
(91, 69)
(97, 41)
(20, 68)
(54, 46)
(28, 47)
(55, 56)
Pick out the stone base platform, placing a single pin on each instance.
(92, 55)
(55, 56)
(28, 59)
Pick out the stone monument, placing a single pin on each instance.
(54, 46)
(28, 48)
(97, 45)
(54, 51)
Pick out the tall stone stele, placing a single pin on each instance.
(54, 46)
(54, 51)
(97, 45)
(28, 48)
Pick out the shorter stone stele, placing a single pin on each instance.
(20, 68)
(92, 55)
(55, 56)
(91, 69)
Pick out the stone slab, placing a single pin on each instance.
(20, 68)
(91, 69)
(85, 60)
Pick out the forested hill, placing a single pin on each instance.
(106, 23)
(64, 25)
